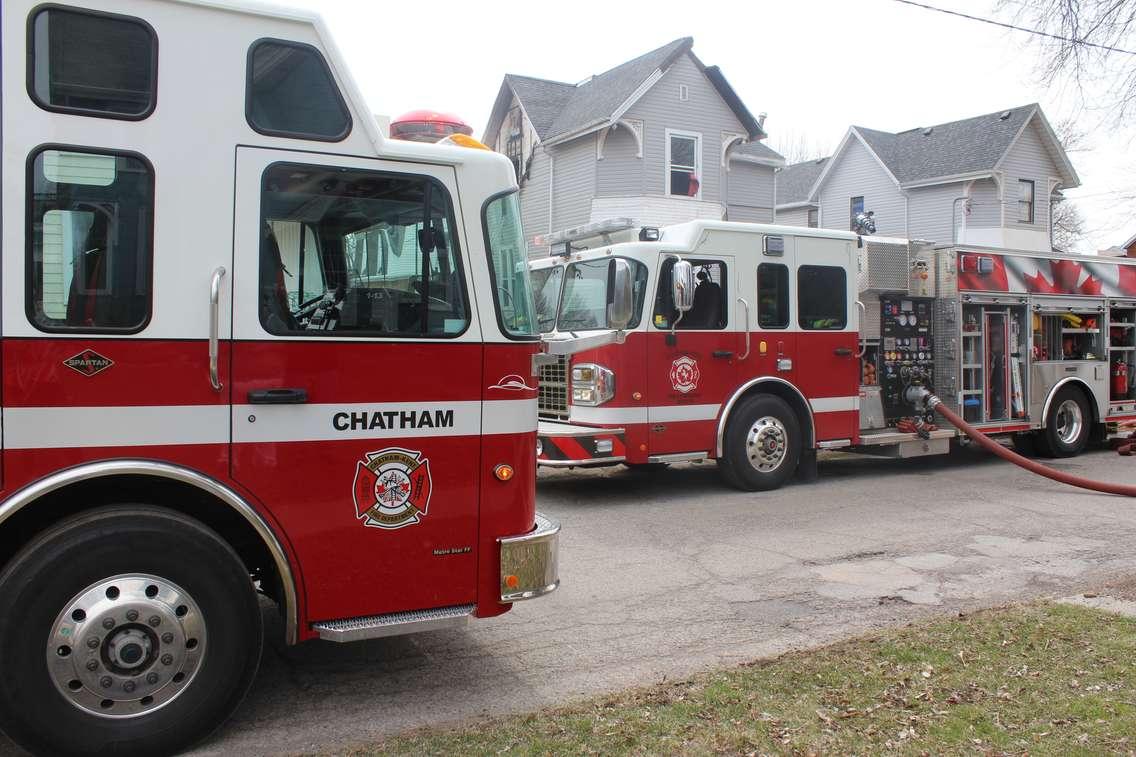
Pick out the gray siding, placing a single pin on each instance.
(534, 199)
(574, 178)
(749, 184)
(793, 217)
(985, 207)
(747, 214)
(704, 112)
(620, 172)
(856, 172)
(929, 212)
(1028, 159)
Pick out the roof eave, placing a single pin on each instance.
(795, 205)
(774, 162)
(947, 179)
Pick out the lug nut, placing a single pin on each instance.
(92, 665)
(108, 623)
(167, 659)
(129, 686)
(132, 615)
(152, 678)
(167, 638)
(93, 642)
(105, 682)
(154, 621)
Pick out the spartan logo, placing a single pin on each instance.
(88, 362)
(685, 374)
(392, 488)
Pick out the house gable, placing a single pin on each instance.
(855, 171)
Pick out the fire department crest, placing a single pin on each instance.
(685, 374)
(392, 488)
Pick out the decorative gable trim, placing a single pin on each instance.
(634, 126)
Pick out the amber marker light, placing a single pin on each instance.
(503, 472)
(512, 581)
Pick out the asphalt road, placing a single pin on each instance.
(669, 573)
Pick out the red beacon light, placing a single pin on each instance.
(428, 126)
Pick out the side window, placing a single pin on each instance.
(291, 93)
(90, 243)
(772, 296)
(710, 310)
(822, 297)
(92, 63)
(358, 253)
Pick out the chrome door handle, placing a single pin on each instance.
(745, 305)
(214, 326)
(860, 329)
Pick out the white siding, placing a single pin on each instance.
(857, 173)
(621, 171)
(792, 217)
(1029, 159)
(574, 182)
(985, 207)
(534, 200)
(704, 112)
(930, 209)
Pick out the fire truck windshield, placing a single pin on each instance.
(546, 289)
(587, 294)
(508, 265)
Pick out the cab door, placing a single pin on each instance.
(356, 377)
(693, 370)
(827, 367)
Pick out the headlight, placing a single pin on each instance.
(592, 384)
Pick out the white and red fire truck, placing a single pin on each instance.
(757, 345)
(248, 345)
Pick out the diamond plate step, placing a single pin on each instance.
(394, 624)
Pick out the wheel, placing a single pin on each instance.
(1068, 424)
(1026, 443)
(762, 444)
(128, 629)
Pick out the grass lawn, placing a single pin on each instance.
(1037, 679)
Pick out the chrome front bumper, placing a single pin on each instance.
(530, 562)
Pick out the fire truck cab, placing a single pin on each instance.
(248, 346)
(758, 345)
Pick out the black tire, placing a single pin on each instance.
(767, 461)
(1026, 443)
(138, 548)
(1068, 424)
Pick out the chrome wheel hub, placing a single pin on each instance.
(767, 444)
(1069, 421)
(126, 645)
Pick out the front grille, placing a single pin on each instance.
(552, 395)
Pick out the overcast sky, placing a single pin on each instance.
(814, 66)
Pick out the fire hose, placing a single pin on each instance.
(921, 396)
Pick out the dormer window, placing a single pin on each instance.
(684, 164)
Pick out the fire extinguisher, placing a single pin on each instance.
(1119, 380)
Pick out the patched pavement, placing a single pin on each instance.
(669, 573)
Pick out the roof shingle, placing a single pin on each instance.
(795, 181)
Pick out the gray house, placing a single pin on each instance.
(660, 139)
(989, 180)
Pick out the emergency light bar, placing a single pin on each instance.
(594, 229)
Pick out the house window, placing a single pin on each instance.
(855, 208)
(291, 93)
(514, 140)
(1025, 200)
(814, 218)
(684, 164)
(683, 92)
(90, 245)
(92, 63)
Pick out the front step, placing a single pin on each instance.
(394, 624)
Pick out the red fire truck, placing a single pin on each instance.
(249, 346)
(758, 345)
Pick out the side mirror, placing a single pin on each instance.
(619, 309)
(682, 286)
